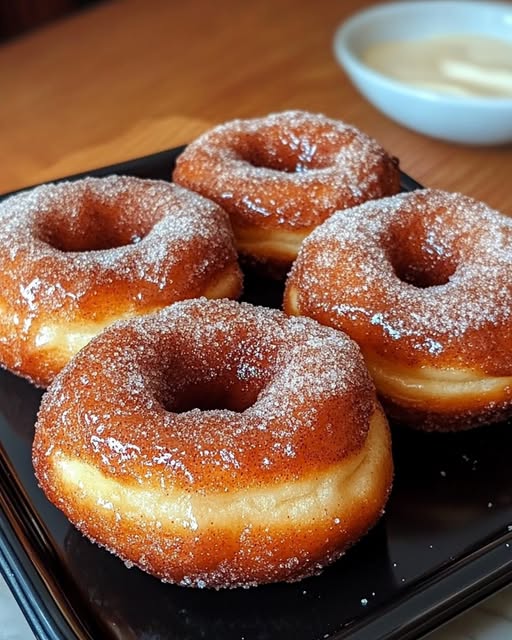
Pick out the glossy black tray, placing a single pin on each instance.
(443, 544)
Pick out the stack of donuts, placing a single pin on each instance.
(215, 443)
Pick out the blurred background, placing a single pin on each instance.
(21, 16)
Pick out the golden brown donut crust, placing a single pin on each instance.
(77, 256)
(285, 172)
(240, 491)
(421, 281)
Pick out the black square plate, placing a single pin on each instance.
(443, 544)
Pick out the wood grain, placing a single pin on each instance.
(127, 78)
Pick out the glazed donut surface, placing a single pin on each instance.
(422, 281)
(77, 256)
(209, 444)
(280, 176)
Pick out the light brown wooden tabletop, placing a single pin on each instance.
(127, 78)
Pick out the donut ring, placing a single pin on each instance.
(284, 464)
(422, 281)
(280, 176)
(76, 256)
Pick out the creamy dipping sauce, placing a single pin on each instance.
(455, 64)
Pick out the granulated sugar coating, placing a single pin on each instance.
(287, 170)
(217, 444)
(267, 386)
(423, 278)
(81, 254)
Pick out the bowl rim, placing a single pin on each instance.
(352, 63)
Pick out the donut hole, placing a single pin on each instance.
(207, 396)
(95, 226)
(211, 396)
(291, 151)
(420, 259)
(213, 372)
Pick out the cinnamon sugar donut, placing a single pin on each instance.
(280, 176)
(209, 444)
(76, 256)
(422, 281)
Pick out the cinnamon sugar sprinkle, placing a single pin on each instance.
(115, 401)
(345, 270)
(290, 168)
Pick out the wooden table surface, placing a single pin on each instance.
(127, 78)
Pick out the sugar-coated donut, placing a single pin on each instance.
(422, 281)
(217, 444)
(280, 176)
(76, 256)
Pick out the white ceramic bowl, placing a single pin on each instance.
(464, 119)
